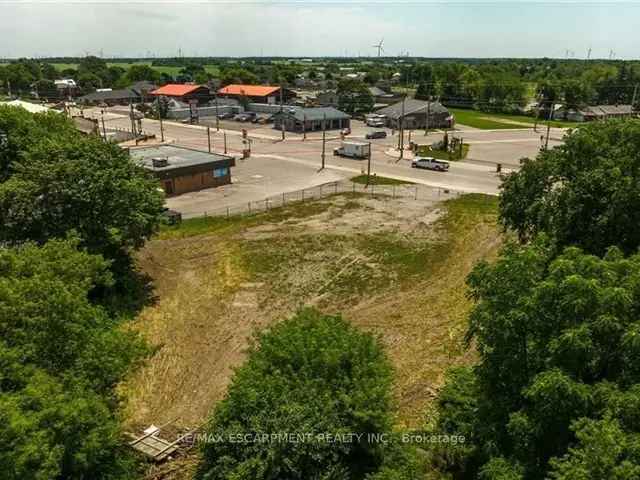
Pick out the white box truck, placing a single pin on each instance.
(353, 150)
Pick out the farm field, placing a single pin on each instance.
(173, 71)
(496, 121)
(395, 267)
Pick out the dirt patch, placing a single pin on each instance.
(396, 267)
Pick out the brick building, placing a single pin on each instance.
(181, 170)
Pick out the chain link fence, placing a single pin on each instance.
(410, 191)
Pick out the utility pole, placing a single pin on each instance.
(426, 123)
(546, 142)
(369, 165)
(402, 131)
(160, 119)
(217, 118)
(224, 136)
(104, 130)
(304, 126)
(133, 121)
(324, 138)
(281, 113)
(209, 138)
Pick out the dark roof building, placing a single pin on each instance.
(111, 97)
(298, 119)
(180, 170)
(413, 114)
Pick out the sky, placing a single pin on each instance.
(288, 28)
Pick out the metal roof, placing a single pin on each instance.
(411, 105)
(123, 94)
(178, 157)
(248, 90)
(316, 113)
(176, 89)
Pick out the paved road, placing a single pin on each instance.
(279, 166)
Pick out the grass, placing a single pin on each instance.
(170, 70)
(393, 267)
(442, 155)
(378, 180)
(498, 121)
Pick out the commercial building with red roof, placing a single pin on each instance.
(257, 93)
(184, 92)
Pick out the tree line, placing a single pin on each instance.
(72, 210)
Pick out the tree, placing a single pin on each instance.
(311, 374)
(354, 96)
(137, 73)
(558, 342)
(58, 181)
(584, 193)
(60, 359)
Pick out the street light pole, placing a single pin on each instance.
(324, 138)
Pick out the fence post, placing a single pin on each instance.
(284, 202)
(303, 195)
(416, 197)
(335, 187)
(249, 207)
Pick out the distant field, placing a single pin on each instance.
(496, 121)
(173, 71)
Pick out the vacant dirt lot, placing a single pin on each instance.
(395, 267)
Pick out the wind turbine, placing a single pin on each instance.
(379, 47)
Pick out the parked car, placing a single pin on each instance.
(226, 115)
(430, 163)
(377, 134)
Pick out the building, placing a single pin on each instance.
(181, 170)
(257, 93)
(183, 92)
(380, 97)
(595, 112)
(28, 106)
(414, 114)
(297, 119)
(110, 97)
(328, 98)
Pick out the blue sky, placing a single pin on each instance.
(513, 28)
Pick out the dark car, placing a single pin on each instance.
(379, 134)
(226, 115)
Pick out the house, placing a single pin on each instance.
(297, 119)
(595, 112)
(181, 170)
(183, 92)
(414, 114)
(328, 98)
(66, 87)
(380, 97)
(110, 97)
(257, 93)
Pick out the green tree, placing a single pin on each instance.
(60, 359)
(311, 374)
(58, 181)
(558, 343)
(354, 96)
(141, 72)
(585, 193)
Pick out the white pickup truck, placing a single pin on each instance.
(430, 163)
